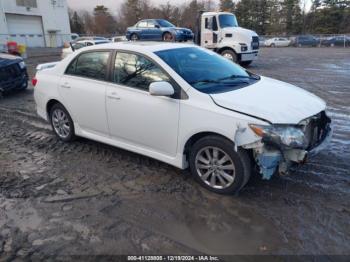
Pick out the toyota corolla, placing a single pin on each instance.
(183, 105)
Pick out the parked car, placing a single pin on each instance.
(262, 41)
(74, 36)
(306, 40)
(183, 105)
(277, 42)
(13, 73)
(118, 39)
(70, 48)
(158, 29)
(343, 41)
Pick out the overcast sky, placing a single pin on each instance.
(113, 5)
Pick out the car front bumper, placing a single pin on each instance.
(184, 37)
(271, 158)
(249, 56)
(16, 83)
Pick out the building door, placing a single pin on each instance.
(26, 29)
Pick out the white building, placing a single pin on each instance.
(35, 23)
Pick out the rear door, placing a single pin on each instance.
(83, 89)
(144, 30)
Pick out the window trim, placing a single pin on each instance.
(108, 68)
(179, 92)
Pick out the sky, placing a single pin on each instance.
(114, 5)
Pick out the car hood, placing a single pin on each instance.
(6, 59)
(272, 100)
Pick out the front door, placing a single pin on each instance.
(209, 34)
(83, 89)
(135, 117)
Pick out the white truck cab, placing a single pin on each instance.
(219, 31)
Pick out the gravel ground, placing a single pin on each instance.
(87, 198)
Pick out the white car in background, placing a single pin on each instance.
(277, 42)
(183, 105)
(71, 47)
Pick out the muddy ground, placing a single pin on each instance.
(87, 198)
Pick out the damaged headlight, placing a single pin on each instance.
(285, 135)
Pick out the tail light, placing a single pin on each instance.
(34, 81)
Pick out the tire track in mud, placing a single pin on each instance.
(95, 165)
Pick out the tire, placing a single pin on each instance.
(168, 37)
(272, 45)
(62, 123)
(201, 165)
(230, 55)
(246, 63)
(134, 37)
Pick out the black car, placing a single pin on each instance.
(13, 73)
(337, 41)
(306, 40)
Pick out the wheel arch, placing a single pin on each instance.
(51, 102)
(195, 137)
(222, 49)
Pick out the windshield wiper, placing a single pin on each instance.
(205, 81)
(233, 77)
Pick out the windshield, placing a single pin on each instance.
(165, 23)
(206, 71)
(227, 21)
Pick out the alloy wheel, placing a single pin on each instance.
(215, 167)
(61, 124)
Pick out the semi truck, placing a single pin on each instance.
(219, 31)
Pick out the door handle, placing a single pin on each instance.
(113, 96)
(65, 85)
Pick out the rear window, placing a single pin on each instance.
(90, 65)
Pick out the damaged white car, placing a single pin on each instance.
(185, 106)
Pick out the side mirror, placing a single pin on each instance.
(156, 26)
(161, 89)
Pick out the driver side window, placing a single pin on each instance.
(136, 71)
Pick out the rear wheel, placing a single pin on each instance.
(230, 55)
(217, 166)
(134, 37)
(168, 37)
(61, 122)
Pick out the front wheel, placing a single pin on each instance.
(217, 166)
(230, 55)
(62, 124)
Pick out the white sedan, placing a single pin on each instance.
(277, 42)
(183, 105)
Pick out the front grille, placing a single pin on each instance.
(316, 129)
(10, 72)
(255, 43)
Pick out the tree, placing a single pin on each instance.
(103, 21)
(292, 18)
(227, 6)
(76, 23)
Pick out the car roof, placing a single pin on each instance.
(140, 46)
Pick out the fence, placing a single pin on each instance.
(37, 40)
(316, 40)
(58, 40)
